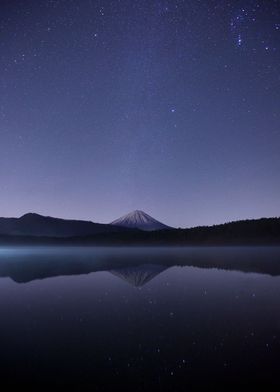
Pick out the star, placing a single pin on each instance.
(239, 41)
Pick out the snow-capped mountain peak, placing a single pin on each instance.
(139, 220)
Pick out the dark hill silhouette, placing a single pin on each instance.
(32, 224)
(37, 229)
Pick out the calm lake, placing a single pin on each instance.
(140, 319)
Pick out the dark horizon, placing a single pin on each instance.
(33, 229)
(161, 220)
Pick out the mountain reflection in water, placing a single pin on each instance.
(135, 265)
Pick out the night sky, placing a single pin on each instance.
(171, 107)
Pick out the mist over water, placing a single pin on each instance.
(151, 318)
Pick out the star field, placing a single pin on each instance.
(171, 107)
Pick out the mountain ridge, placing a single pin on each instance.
(33, 228)
(33, 224)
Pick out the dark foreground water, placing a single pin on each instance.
(140, 319)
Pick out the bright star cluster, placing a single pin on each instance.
(254, 25)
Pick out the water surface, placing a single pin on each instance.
(168, 319)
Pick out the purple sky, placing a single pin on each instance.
(171, 107)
